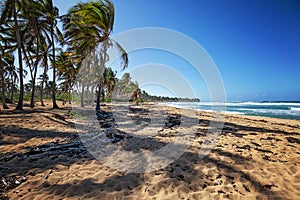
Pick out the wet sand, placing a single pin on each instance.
(42, 157)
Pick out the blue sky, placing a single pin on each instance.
(255, 44)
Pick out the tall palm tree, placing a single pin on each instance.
(44, 78)
(9, 13)
(88, 25)
(31, 13)
(50, 14)
(2, 79)
(3, 53)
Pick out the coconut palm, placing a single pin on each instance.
(49, 15)
(66, 73)
(3, 53)
(44, 78)
(109, 81)
(88, 25)
(31, 13)
(4, 105)
(9, 14)
(12, 73)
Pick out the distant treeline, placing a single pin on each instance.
(153, 98)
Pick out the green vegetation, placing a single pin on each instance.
(29, 29)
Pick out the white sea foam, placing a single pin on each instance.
(295, 109)
(272, 109)
(234, 112)
(235, 103)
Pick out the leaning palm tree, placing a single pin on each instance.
(3, 53)
(88, 26)
(2, 81)
(31, 13)
(10, 14)
(44, 78)
(50, 14)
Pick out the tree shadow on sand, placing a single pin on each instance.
(186, 175)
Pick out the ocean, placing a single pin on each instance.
(284, 110)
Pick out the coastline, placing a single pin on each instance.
(253, 158)
(278, 109)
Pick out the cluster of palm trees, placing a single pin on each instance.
(29, 29)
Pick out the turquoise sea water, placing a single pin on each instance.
(284, 110)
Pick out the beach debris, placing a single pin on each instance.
(47, 175)
(140, 116)
(116, 135)
(4, 182)
(246, 188)
(55, 149)
(101, 114)
(138, 110)
(269, 186)
(173, 120)
(8, 183)
(105, 119)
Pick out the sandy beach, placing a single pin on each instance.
(42, 157)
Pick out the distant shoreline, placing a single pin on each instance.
(278, 109)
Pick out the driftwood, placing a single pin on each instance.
(47, 175)
(47, 150)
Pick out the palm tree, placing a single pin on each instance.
(9, 13)
(3, 53)
(44, 78)
(50, 14)
(66, 73)
(12, 72)
(109, 81)
(4, 105)
(31, 13)
(88, 25)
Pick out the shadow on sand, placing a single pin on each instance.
(188, 173)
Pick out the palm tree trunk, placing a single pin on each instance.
(42, 85)
(29, 60)
(21, 96)
(99, 94)
(69, 96)
(32, 94)
(55, 106)
(92, 88)
(3, 87)
(34, 73)
(83, 83)
(101, 75)
(12, 88)
(42, 94)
